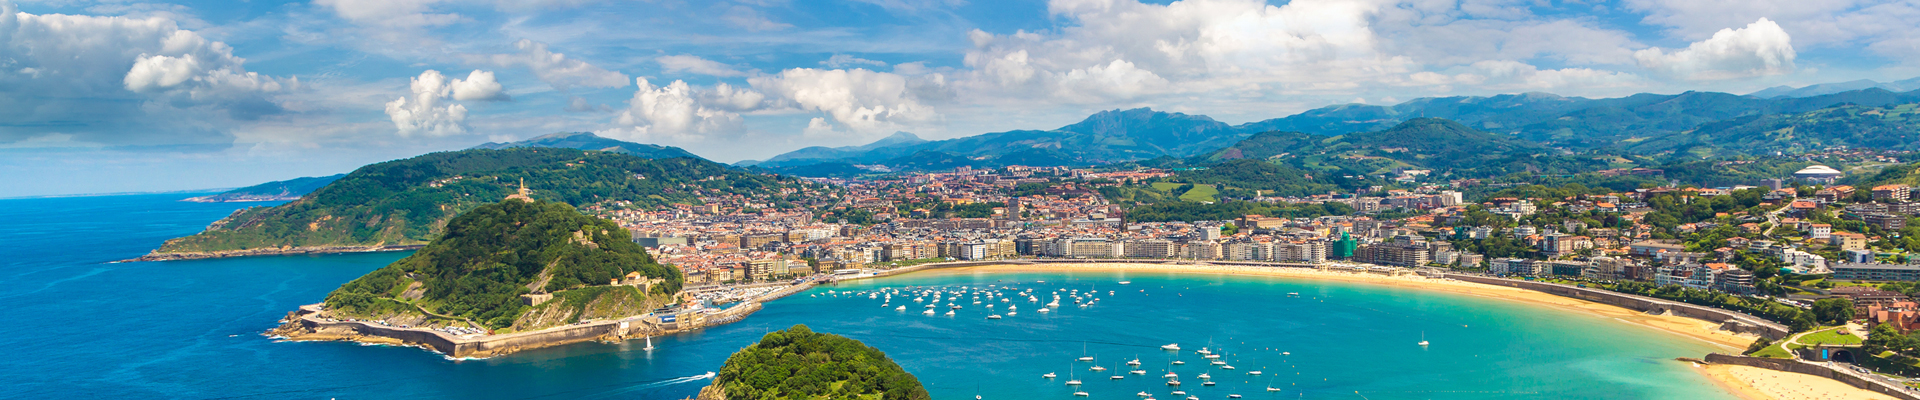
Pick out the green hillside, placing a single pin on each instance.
(1894, 127)
(799, 364)
(406, 202)
(491, 255)
(1446, 147)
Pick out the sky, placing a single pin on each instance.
(131, 96)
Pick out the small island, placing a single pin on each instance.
(505, 277)
(799, 363)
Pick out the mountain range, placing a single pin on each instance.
(1691, 124)
(1830, 88)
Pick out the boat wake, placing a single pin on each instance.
(654, 384)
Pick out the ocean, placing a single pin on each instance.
(77, 326)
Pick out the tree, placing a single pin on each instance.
(1833, 311)
(1884, 337)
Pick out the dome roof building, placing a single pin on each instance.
(1819, 172)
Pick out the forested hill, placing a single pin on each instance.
(799, 363)
(1446, 147)
(590, 141)
(493, 254)
(406, 202)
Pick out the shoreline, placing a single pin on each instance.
(1746, 385)
(280, 251)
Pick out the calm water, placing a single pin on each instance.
(79, 327)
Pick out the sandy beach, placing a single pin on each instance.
(1745, 382)
(1761, 383)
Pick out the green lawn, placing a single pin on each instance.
(1166, 187)
(1830, 336)
(1774, 351)
(1200, 193)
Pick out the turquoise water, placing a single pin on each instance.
(77, 326)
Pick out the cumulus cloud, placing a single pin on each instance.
(479, 86)
(694, 64)
(555, 69)
(1761, 48)
(671, 113)
(866, 102)
(123, 81)
(427, 109)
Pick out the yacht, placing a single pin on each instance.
(1178, 362)
(949, 313)
(996, 316)
(900, 308)
(1081, 394)
(1256, 373)
(1179, 393)
(1143, 394)
(1138, 372)
(1226, 367)
(1173, 383)
(1043, 310)
(1203, 376)
(1207, 383)
(1049, 375)
(1012, 313)
(1423, 339)
(927, 312)
(1174, 347)
(1170, 375)
(956, 307)
(1218, 362)
(1134, 363)
(1213, 356)
(1117, 377)
(1097, 368)
(1126, 282)
(1087, 359)
(1233, 396)
(1203, 351)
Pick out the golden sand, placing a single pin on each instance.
(1765, 384)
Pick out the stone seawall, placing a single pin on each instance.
(1799, 367)
(1743, 323)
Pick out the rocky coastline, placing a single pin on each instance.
(277, 251)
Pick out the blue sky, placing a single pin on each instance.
(124, 95)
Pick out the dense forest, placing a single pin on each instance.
(407, 201)
(798, 363)
(491, 255)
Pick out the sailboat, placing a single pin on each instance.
(649, 344)
(1423, 338)
(1083, 352)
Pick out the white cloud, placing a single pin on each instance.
(671, 113)
(124, 81)
(693, 64)
(389, 13)
(750, 19)
(555, 69)
(427, 111)
(1761, 48)
(479, 86)
(843, 61)
(866, 102)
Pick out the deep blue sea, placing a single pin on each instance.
(74, 325)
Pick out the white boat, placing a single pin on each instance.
(1119, 377)
(1098, 368)
(1174, 347)
(1126, 282)
(1179, 392)
(1207, 383)
(1049, 375)
(1254, 372)
(1170, 375)
(1273, 389)
(1142, 394)
(1086, 358)
(1138, 372)
(930, 306)
(1178, 362)
(1218, 362)
(1074, 382)
(900, 308)
(1423, 339)
(1227, 367)
(949, 313)
(1233, 396)
(996, 316)
(1203, 376)
(1213, 356)
(1173, 383)
(1203, 351)
(1044, 310)
(1286, 353)
(927, 312)
(1081, 394)
(649, 344)
(1012, 313)
(1134, 363)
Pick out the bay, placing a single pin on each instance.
(80, 326)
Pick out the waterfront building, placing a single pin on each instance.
(1875, 272)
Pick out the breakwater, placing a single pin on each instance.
(1856, 379)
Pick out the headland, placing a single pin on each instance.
(275, 251)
